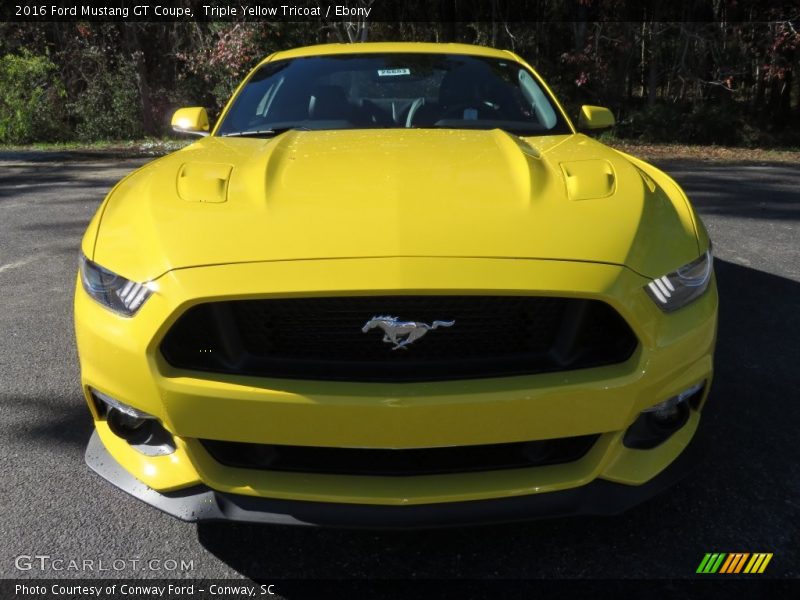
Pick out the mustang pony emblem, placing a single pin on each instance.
(402, 333)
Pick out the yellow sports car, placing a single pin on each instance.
(394, 286)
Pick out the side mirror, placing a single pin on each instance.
(595, 117)
(192, 120)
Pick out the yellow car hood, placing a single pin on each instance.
(393, 192)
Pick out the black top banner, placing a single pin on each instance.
(400, 10)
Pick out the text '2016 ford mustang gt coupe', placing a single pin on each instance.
(394, 286)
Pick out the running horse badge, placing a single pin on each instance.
(402, 333)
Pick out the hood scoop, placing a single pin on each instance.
(589, 179)
(204, 182)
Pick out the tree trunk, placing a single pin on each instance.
(137, 54)
(449, 21)
(652, 77)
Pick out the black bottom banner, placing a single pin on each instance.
(199, 589)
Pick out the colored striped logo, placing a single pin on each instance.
(734, 562)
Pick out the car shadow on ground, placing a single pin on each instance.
(746, 190)
(53, 422)
(742, 495)
(20, 179)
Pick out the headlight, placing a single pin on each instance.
(677, 289)
(111, 290)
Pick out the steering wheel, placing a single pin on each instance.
(412, 111)
(482, 108)
(374, 115)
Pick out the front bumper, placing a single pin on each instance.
(120, 358)
(200, 503)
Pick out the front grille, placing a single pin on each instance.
(322, 338)
(418, 461)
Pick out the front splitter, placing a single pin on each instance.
(200, 503)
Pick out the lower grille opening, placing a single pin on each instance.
(390, 462)
(330, 339)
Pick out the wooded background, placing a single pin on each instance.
(712, 82)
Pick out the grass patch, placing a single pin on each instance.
(644, 150)
(144, 147)
(714, 154)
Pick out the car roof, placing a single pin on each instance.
(390, 47)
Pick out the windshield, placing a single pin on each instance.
(393, 90)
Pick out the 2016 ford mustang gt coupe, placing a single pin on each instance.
(394, 286)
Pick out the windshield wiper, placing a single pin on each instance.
(262, 132)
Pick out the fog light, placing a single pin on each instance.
(107, 402)
(657, 423)
(670, 409)
(133, 430)
(666, 412)
(140, 429)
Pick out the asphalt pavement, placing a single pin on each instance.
(743, 496)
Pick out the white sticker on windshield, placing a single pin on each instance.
(393, 72)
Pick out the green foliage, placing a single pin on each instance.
(701, 123)
(109, 107)
(683, 82)
(217, 66)
(712, 124)
(31, 100)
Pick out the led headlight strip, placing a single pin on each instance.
(680, 287)
(113, 291)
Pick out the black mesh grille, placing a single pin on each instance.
(380, 462)
(322, 338)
